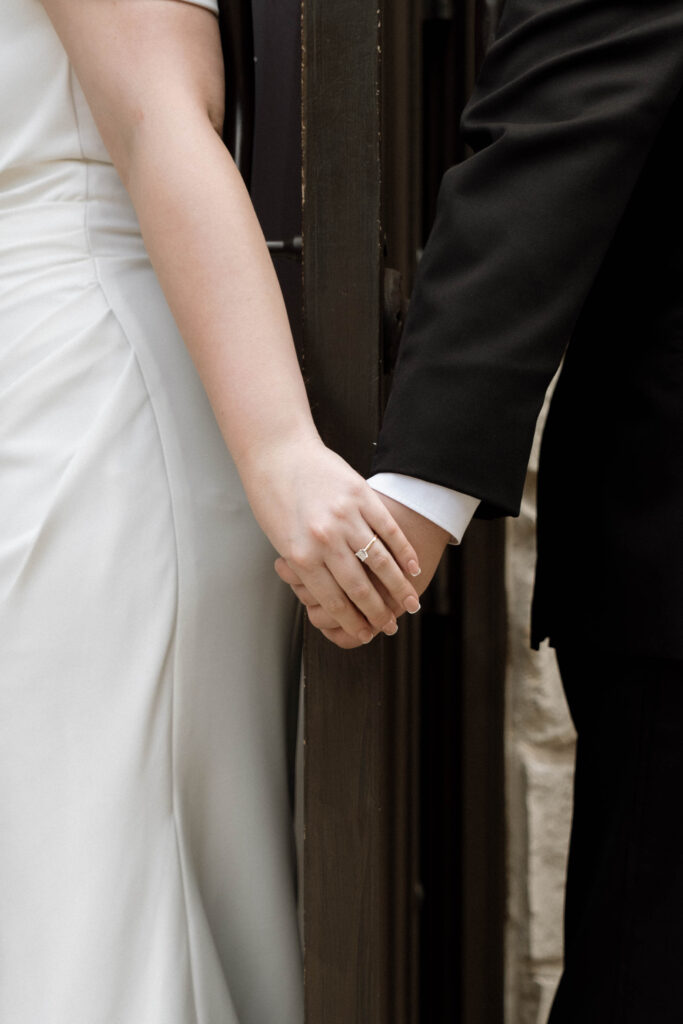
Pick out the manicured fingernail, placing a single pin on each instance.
(391, 629)
(413, 568)
(412, 605)
(365, 636)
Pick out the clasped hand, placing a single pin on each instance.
(429, 540)
(317, 512)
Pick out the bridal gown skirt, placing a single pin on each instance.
(146, 869)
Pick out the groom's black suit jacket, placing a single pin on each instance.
(564, 231)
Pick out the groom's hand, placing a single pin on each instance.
(429, 541)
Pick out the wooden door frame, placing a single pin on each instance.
(359, 894)
(361, 882)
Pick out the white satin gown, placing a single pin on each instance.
(146, 869)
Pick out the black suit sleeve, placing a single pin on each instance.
(567, 106)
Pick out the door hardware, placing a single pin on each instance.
(292, 247)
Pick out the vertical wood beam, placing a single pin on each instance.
(348, 781)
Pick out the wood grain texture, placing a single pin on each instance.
(350, 756)
(363, 182)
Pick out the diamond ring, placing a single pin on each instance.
(362, 553)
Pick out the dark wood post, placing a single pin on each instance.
(358, 759)
(376, 134)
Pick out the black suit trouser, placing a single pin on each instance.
(624, 900)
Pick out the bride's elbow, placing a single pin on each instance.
(152, 136)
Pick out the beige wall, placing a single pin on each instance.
(539, 769)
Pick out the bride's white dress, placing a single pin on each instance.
(146, 872)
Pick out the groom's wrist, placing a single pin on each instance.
(448, 509)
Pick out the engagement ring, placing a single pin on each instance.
(362, 553)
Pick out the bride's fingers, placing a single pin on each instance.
(308, 600)
(326, 591)
(355, 585)
(319, 618)
(386, 596)
(286, 573)
(362, 588)
(381, 562)
(359, 587)
(317, 615)
(385, 526)
(341, 639)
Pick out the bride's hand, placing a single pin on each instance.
(430, 541)
(317, 512)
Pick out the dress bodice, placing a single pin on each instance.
(47, 132)
(61, 199)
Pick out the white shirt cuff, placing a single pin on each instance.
(451, 510)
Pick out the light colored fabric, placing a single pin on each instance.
(211, 5)
(451, 510)
(146, 873)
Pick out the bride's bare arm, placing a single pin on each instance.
(152, 73)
